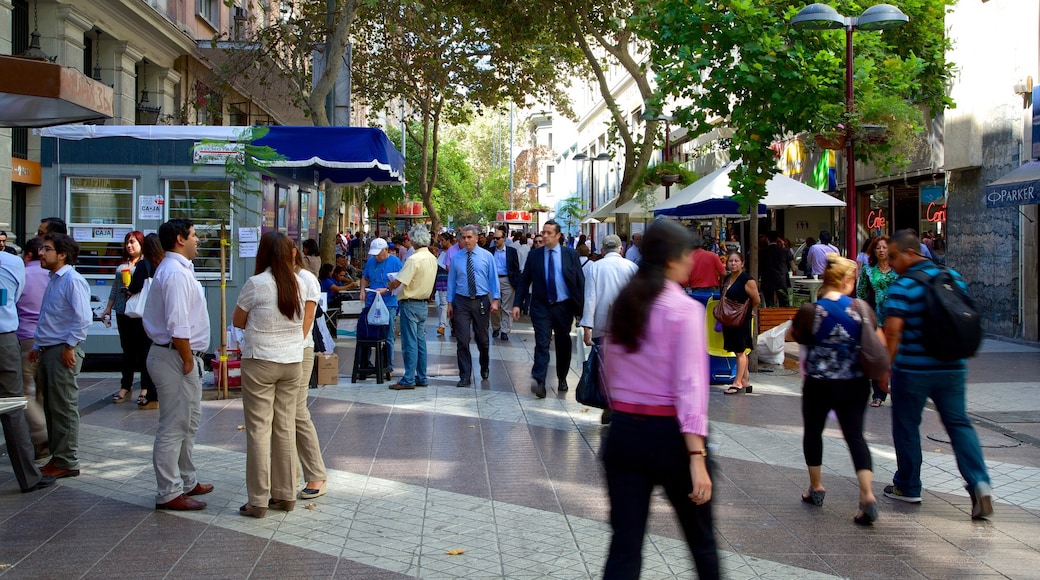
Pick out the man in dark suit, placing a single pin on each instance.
(507, 264)
(774, 265)
(555, 281)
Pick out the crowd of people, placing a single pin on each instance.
(624, 296)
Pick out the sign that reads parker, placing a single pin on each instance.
(1020, 187)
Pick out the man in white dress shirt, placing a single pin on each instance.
(177, 321)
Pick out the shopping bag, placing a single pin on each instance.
(589, 392)
(135, 304)
(378, 313)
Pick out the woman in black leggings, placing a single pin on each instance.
(830, 329)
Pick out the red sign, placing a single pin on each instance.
(516, 216)
(402, 209)
(876, 219)
(936, 212)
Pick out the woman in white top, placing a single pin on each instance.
(271, 310)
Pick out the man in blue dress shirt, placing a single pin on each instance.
(473, 294)
(64, 317)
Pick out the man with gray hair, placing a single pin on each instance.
(473, 295)
(603, 282)
(415, 280)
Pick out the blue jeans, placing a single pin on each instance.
(413, 341)
(910, 390)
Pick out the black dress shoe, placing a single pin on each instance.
(495, 333)
(45, 481)
(563, 388)
(484, 373)
(504, 336)
(538, 388)
(463, 383)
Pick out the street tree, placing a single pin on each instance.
(445, 62)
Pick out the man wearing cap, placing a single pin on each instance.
(375, 278)
(473, 294)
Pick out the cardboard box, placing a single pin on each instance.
(327, 365)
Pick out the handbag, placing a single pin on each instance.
(873, 355)
(589, 392)
(729, 312)
(136, 303)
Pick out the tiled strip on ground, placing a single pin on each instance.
(398, 527)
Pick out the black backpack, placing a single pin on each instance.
(952, 325)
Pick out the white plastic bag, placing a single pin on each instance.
(135, 304)
(378, 313)
(771, 344)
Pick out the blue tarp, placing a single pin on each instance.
(711, 207)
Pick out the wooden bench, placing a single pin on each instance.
(769, 318)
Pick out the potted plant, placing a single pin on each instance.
(668, 173)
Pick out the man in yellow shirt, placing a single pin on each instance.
(415, 281)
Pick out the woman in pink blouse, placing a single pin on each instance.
(656, 360)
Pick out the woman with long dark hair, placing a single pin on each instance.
(271, 310)
(152, 254)
(740, 287)
(130, 329)
(832, 330)
(656, 359)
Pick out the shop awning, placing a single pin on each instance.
(1020, 187)
(604, 213)
(712, 196)
(39, 93)
(342, 155)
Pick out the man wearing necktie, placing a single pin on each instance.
(473, 294)
(555, 281)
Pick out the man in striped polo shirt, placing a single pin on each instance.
(916, 377)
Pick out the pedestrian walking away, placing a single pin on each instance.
(507, 264)
(177, 321)
(917, 375)
(831, 329)
(473, 294)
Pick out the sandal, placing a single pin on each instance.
(142, 399)
(735, 390)
(815, 497)
(868, 514)
(876, 403)
(117, 398)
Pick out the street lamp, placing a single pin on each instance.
(823, 17)
(667, 154)
(592, 178)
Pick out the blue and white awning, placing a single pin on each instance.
(1020, 187)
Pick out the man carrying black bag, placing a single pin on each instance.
(603, 281)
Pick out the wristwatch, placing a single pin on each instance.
(67, 346)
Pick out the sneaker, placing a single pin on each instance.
(981, 501)
(894, 492)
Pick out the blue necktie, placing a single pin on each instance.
(550, 278)
(471, 277)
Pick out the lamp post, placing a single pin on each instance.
(667, 153)
(823, 17)
(592, 178)
(535, 187)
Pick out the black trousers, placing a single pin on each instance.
(640, 453)
(471, 315)
(135, 344)
(558, 320)
(848, 399)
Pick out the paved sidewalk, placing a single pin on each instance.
(514, 482)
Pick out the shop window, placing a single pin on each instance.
(208, 205)
(101, 213)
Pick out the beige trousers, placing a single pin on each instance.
(307, 445)
(269, 404)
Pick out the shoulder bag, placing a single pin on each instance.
(729, 312)
(590, 388)
(873, 355)
(136, 303)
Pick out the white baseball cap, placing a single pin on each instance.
(378, 245)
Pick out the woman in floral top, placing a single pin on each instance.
(874, 281)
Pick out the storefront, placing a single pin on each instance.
(109, 181)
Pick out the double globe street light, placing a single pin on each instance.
(823, 17)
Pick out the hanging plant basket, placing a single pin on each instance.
(830, 140)
(670, 178)
(874, 134)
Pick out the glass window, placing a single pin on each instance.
(101, 213)
(207, 204)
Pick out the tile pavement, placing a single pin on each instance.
(515, 483)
